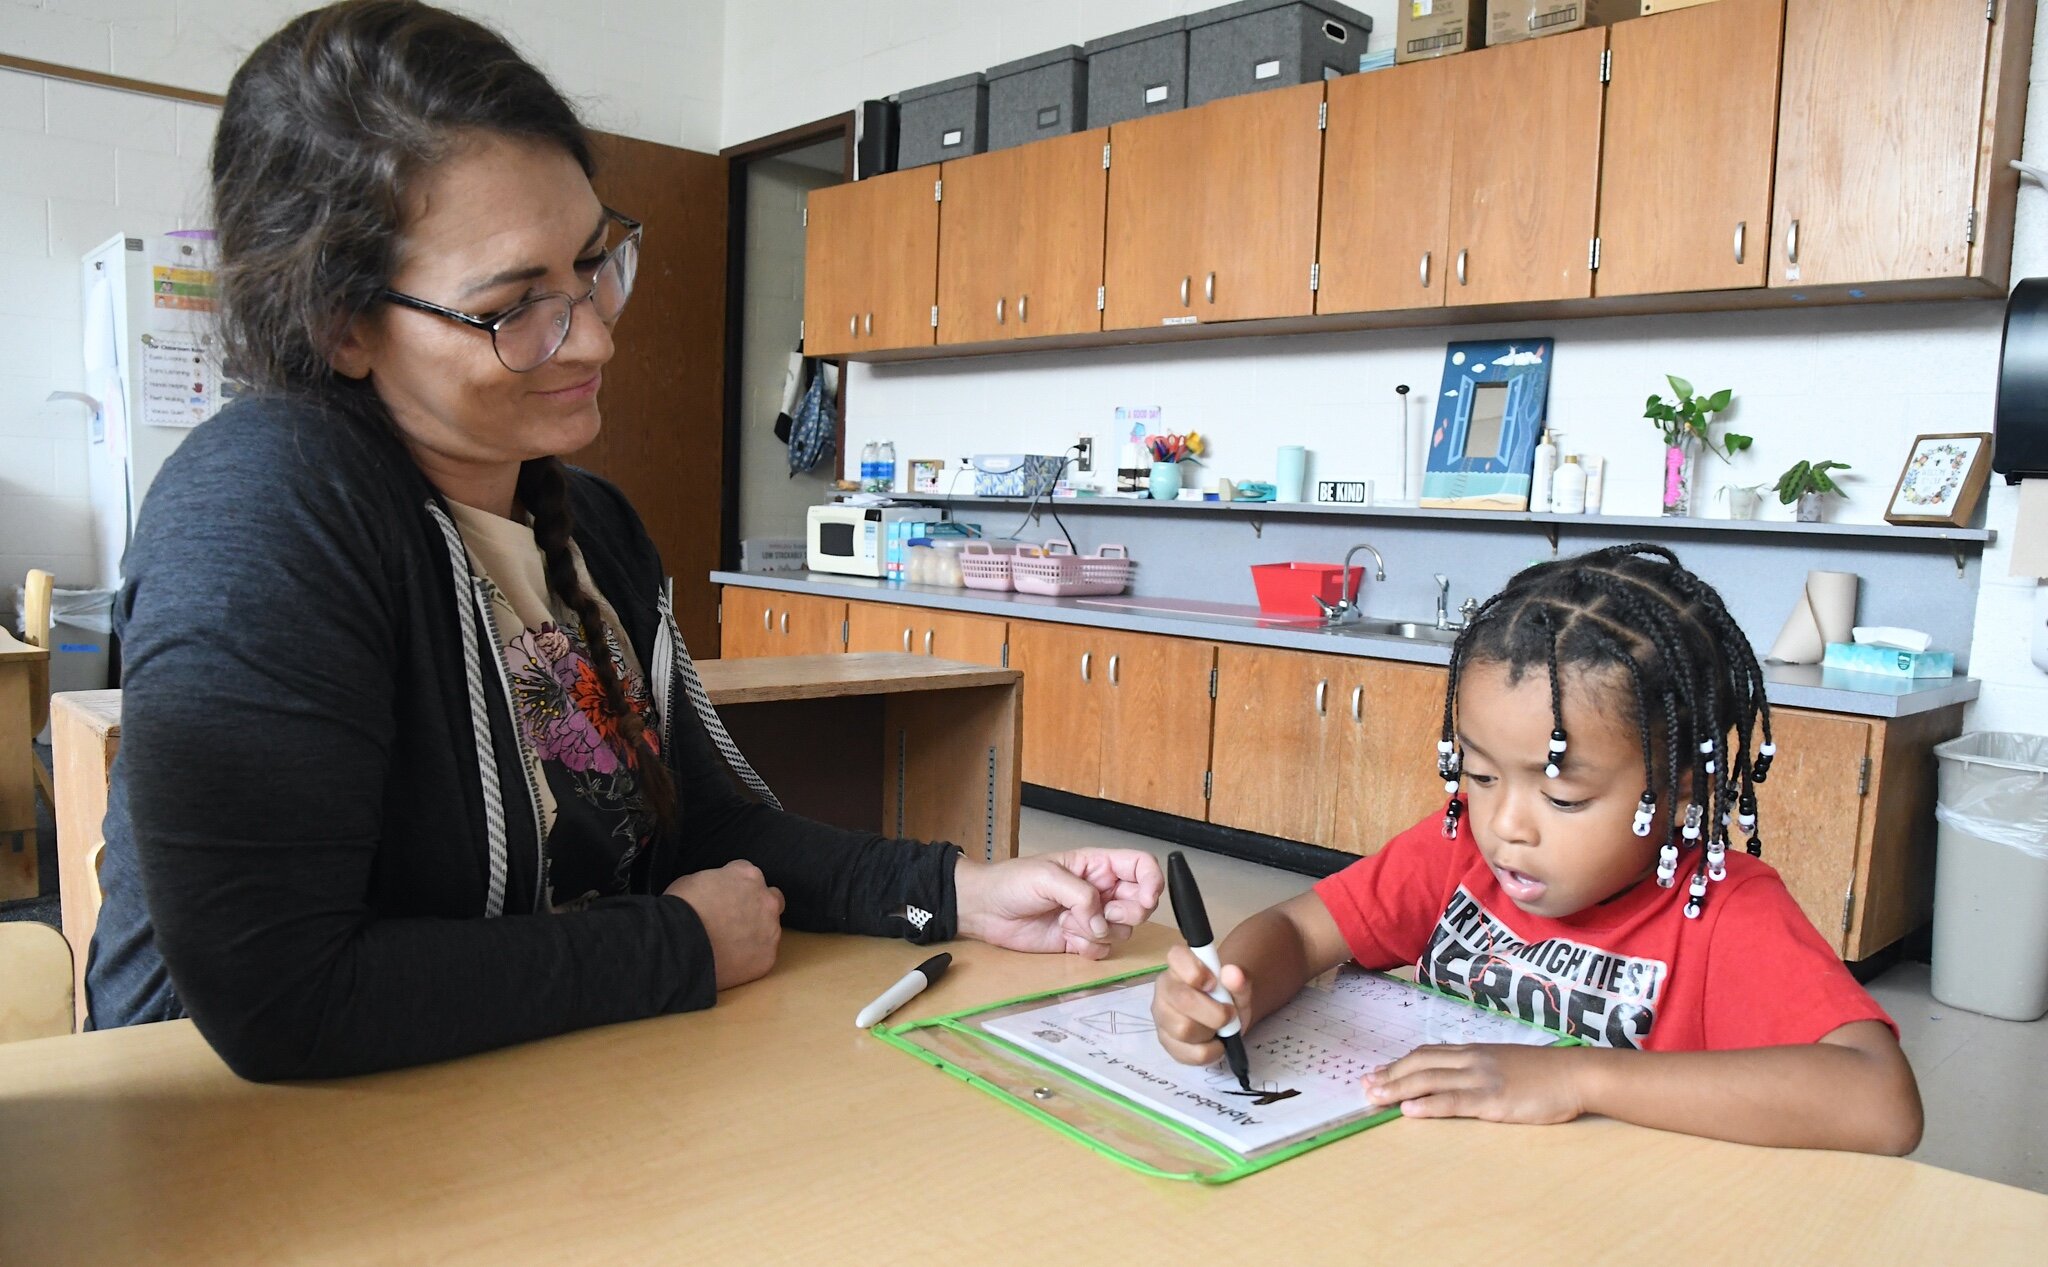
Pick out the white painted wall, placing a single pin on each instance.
(79, 164)
(1854, 384)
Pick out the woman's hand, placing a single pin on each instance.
(1495, 1082)
(741, 915)
(1186, 1017)
(1082, 901)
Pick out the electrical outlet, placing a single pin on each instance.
(1084, 455)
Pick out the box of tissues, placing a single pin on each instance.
(1890, 661)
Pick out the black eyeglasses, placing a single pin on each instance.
(529, 332)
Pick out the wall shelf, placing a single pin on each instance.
(1973, 539)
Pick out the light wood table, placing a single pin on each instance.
(769, 1130)
(902, 744)
(24, 670)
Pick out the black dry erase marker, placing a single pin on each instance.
(1194, 926)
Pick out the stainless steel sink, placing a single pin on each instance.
(1413, 631)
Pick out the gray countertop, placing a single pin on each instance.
(1792, 685)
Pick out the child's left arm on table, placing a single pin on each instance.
(1851, 1090)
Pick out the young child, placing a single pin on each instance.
(1597, 749)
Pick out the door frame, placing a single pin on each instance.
(838, 127)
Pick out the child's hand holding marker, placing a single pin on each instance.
(1185, 1014)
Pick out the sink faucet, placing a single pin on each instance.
(1466, 610)
(1346, 607)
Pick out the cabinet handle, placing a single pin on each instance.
(868, 325)
(1209, 288)
(1741, 226)
(999, 310)
(1024, 308)
(1792, 244)
(1322, 698)
(927, 642)
(1086, 658)
(1358, 703)
(1461, 266)
(1112, 669)
(768, 620)
(1423, 272)
(785, 624)
(853, 326)
(1184, 290)
(906, 640)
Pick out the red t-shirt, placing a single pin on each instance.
(1634, 972)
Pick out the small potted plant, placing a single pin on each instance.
(1687, 425)
(1806, 483)
(1743, 499)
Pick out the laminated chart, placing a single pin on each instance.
(1307, 1059)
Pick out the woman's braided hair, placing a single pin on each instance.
(1699, 690)
(323, 129)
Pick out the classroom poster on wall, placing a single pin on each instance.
(180, 383)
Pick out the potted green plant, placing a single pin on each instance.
(1806, 483)
(1687, 425)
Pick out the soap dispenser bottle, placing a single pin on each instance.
(1542, 473)
(1568, 491)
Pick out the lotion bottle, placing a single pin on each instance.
(1568, 490)
(1542, 473)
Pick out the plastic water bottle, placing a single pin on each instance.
(868, 454)
(885, 468)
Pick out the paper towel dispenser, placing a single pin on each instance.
(2019, 444)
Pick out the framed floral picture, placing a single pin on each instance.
(1943, 480)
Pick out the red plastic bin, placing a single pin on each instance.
(1291, 589)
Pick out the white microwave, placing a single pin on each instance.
(853, 540)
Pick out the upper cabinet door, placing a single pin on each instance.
(1020, 241)
(1386, 189)
(1685, 193)
(1525, 169)
(1211, 216)
(871, 255)
(1878, 140)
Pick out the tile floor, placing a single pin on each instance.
(1981, 1080)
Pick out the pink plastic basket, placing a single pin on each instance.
(984, 569)
(1060, 573)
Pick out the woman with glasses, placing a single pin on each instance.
(414, 761)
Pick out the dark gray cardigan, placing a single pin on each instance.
(319, 808)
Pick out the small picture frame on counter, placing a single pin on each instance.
(926, 474)
(1942, 481)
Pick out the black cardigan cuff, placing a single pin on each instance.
(930, 909)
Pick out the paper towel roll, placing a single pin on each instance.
(1826, 613)
(2030, 531)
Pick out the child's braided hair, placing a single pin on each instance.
(1696, 679)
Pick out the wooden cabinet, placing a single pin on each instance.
(771, 623)
(1275, 739)
(923, 631)
(1883, 136)
(1118, 716)
(871, 252)
(1685, 193)
(1020, 241)
(1525, 170)
(1429, 199)
(1212, 211)
(1847, 818)
(1156, 718)
(1329, 750)
(1062, 707)
(1384, 775)
(1386, 215)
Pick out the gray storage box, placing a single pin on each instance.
(1037, 97)
(948, 119)
(1138, 72)
(1258, 44)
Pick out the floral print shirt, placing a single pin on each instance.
(592, 805)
